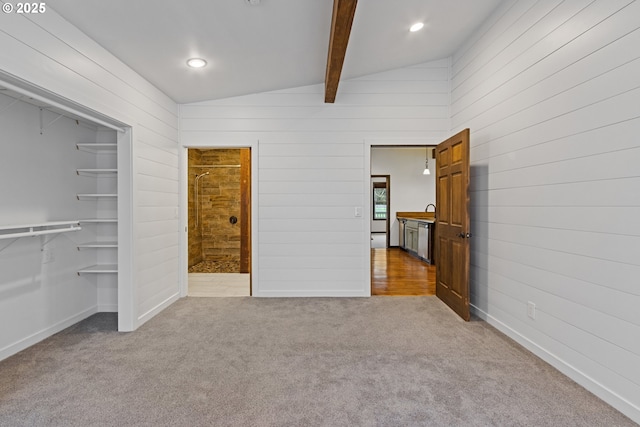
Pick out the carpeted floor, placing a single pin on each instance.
(382, 361)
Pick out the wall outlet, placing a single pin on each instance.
(531, 310)
(47, 255)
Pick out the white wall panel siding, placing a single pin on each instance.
(313, 125)
(46, 51)
(203, 111)
(311, 169)
(550, 92)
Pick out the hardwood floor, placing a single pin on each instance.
(394, 272)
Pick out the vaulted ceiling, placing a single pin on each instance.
(270, 45)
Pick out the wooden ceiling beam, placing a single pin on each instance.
(343, 13)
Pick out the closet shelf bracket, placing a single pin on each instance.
(42, 125)
(12, 103)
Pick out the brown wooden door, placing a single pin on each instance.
(245, 210)
(452, 223)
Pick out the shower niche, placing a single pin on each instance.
(218, 223)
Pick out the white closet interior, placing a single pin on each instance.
(59, 218)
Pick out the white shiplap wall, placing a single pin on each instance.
(550, 91)
(46, 51)
(312, 169)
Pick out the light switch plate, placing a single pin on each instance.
(531, 310)
(358, 212)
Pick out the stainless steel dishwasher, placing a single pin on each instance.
(423, 241)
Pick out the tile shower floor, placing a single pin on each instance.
(218, 285)
(229, 265)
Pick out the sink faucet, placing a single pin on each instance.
(427, 208)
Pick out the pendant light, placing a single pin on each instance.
(426, 164)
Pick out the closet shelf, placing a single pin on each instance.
(97, 245)
(99, 269)
(98, 221)
(53, 227)
(96, 196)
(97, 147)
(96, 171)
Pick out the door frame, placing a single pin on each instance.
(184, 207)
(366, 235)
(388, 220)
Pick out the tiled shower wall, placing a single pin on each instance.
(215, 238)
(195, 233)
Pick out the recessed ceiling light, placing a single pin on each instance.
(196, 62)
(416, 27)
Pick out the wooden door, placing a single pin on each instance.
(245, 210)
(452, 223)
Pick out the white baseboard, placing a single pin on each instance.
(108, 308)
(26, 342)
(157, 309)
(612, 398)
(311, 294)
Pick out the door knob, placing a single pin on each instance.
(461, 235)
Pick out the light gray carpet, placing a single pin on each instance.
(382, 361)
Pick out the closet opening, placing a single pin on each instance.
(219, 222)
(66, 250)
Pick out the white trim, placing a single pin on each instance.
(366, 213)
(612, 398)
(184, 222)
(27, 342)
(157, 309)
(127, 293)
(108, 308)
(315, 294)
(63, 104)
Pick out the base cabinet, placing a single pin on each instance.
(411, 236)
(417, 238)
(424, 246)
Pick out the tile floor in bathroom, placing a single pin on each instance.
(219, 285)
(220, 265)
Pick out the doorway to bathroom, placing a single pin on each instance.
(219, 222)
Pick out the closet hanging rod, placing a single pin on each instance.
(55, 104)
(214, 166)
(29, 230)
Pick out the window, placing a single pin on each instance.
(379, 200)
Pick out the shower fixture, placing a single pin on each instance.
(196, 196)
